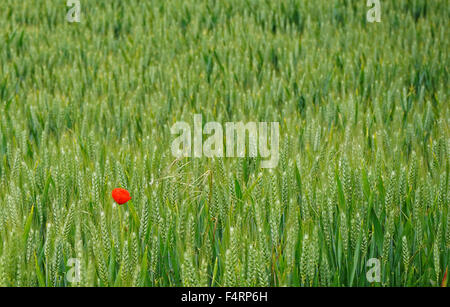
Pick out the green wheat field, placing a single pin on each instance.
(364, 113)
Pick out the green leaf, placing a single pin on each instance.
(40, 276)
(378, 232)
(27, 227)
(355, 260)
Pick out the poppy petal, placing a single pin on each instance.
(121, 196)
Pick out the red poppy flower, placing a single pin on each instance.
(121, 196)
(444, 280)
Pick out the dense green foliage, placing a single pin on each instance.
(87, 107)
